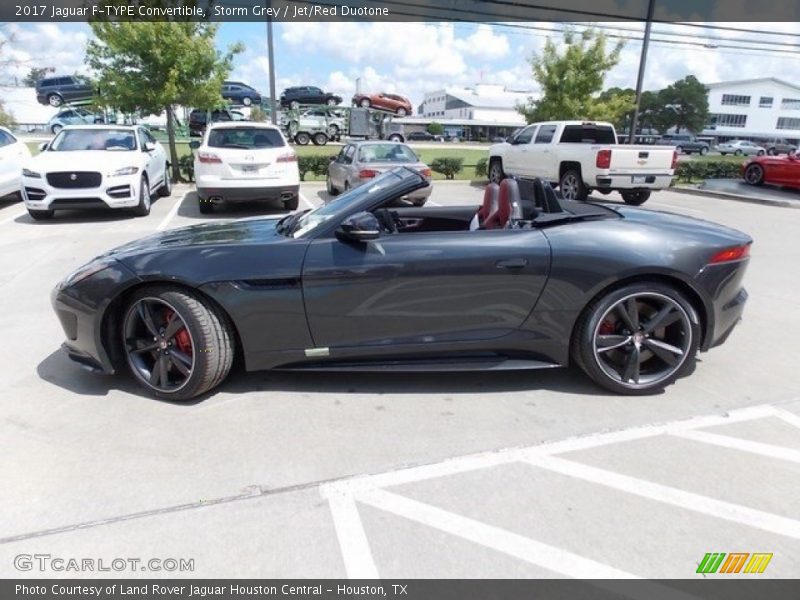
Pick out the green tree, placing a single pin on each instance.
(35, 75)
(435, 128)
(153, 66)
(685, 104)
(615, 96)
(571, 80)
(6, 118)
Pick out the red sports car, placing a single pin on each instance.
(392, 102)
(779, 170)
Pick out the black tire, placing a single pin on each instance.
(210, 342)
(329, 187)
(206, 207)
(143, 208)
(635, 198)
(621, 359)
(572, 186)
(760, 153)
(302, 138)
(496, 172)
(724, 153)
(703, 151)
(55, 100)
(771, 151)
(56, 128)
(737, 153)
(41, 215)
(166, 188)
(679, 149)
(246, 101)
(291, 204)
(754, 174)
(333, 131)
(401, 112)
(396, 137)
(319, 139)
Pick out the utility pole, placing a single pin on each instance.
(642, 62)
(273, 112)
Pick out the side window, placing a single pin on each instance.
(348, 155)
(526, 135)
(142, 138)
(6, 139)
(545, 135)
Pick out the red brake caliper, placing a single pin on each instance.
(182, 339)
(606, 328)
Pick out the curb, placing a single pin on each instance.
(735, 197)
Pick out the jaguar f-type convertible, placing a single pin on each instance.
(526, 281)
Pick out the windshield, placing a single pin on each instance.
(376, 153)
(70, 140)
(301, 224)
(247, 138)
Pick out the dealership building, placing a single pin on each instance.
(754, 109)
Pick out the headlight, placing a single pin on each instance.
(124, 171)
(29, 173)
(87, 270)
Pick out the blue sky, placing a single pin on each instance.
(412, 58)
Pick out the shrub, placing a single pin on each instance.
(320, 165)
(688, 171)
(186, 167)
(482, 168)
(435, 128)
(305, 164)
(448, 166)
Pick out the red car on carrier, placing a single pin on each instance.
(391, 102)
(777, 170)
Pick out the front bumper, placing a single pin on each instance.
(626, 181)
(113, 192)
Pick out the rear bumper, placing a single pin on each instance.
(723, 283)
(625, 181)
(249, 194)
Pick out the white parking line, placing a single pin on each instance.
(786, 416)
(306, 201)
(549, 557)
(725, 441)
(720, 509)
(171, 214)
(358, 561)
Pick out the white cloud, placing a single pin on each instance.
(43, 45)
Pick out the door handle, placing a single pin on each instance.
(512, 263)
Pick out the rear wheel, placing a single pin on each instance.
(319, 139)
(496, 173)
(41, 215)
(754, 174)
(177, 344)
(401, 112)
(738, 153)
(246, 101)
(55, 100)
(143, 208)
(396, 137)
(760, 153)
(329, 187)
(637, 339)
(572, 186)
(703, 151)
(302, 138)
(635, 198)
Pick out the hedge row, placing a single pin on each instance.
(691, 170)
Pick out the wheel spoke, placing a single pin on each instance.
(182, 357)
(179, 364)
(158, 372)
(138, 346)
(609, 342)
(631, 371)
(666, 352)
(174, 325)
(626, 317)
(663, 318)
(147, 317)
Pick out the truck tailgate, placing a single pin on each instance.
(650, 159)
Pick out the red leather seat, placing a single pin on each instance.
(488, 208)
(507, 196)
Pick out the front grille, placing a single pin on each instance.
(74, 179)
(78, 203)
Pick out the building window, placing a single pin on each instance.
(790, 104)
(788, 123)
(765, 102)
(724, 120)
(734, 100)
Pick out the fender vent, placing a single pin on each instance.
(268, 284)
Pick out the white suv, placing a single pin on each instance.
(96, 166)
(244, 161)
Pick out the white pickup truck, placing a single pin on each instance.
(581, 157)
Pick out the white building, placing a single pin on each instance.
(483, 102)
(754, 109)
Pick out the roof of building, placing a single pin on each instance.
(758, 80)
(456, 122)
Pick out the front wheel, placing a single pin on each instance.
(302, 138)
(365, 103)
(738, 153)
(55, 100)
(635, 198)
(572, 186)
(319, 139)
(637, 339)
(246, 101)
(329, 187)
(754, 174)
(496, 174)
(166, 187)
(177, 344)
(396, 138)
(143, 208)
(401, 112)
(760, 153)
(703, 151)
(771, 152)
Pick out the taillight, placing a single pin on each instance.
(730, 254)
(367, 174)
(208, 157)
(603, 159)
(286, 158)
(674, 159)
(426, 172)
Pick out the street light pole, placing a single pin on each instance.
(271, 55)
(640, 79)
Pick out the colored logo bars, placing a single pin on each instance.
(716, 562)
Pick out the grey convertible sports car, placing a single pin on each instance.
(364, 283)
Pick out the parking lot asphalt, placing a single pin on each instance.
(529, 474)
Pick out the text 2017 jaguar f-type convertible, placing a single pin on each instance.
(364, 283)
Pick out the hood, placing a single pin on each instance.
(240, 233)
(94, 160)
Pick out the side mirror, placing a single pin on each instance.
(194, 144)
(149, 146)
(333, 157)
(43, 146)
(360, 227)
